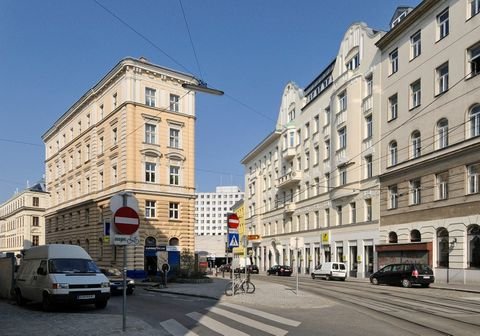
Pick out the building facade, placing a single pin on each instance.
(132, 132)
(430, 169)
(316, 176)
(22, 219)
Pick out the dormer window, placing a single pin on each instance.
(354, 62)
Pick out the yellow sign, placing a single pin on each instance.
(325, 238)
(106, 239)
(359, 258)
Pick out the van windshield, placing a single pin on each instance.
(72, 266)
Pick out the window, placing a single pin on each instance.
(474, 7)
(393, 61)
(174, 103)
(443, 247)
(307, 160)
(339, 215)
(442, 78)
(173, 210)
(393, 197)
(316, 124)
(342, 175)
(35, 221)
(474, 59)
(342, 138)
(150, 133)
(392, 238)
(35, 240)
(416, 43)
(342, 101)
(369, 85)
(475, 121)
(35, 201)
(174, 138)
(114, 136)
(316, 155)
(415, 187)
(369, 166)
(353, 212)
(327, 149)
(415, 94)
(416, 144)
(354, 62)
(473, 179)
(441, 184)
(327, 116)
(393, 107)
(473, 241)
(368, 210)
(174, 175)
(150, 97)
(150, 169)
(442, 133)
(393, 153)
(368, 126)
(150, 208)
(306, 134)
(443, 24)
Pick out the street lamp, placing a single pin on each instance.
(202, 87)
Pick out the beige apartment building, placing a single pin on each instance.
(22, 220)
(430, 121)
(316, 176)
(132, 132)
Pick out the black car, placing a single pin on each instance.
(115, 277)
(253, 269)
(280, 270)
(404, 274)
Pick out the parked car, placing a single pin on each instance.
(225, 268)
(331, 270)
(280, 270)
(115, 277)
(253, 269)
(404, 274)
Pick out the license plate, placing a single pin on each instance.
(426, 277)
(86, 297)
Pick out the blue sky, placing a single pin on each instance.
(53, 51)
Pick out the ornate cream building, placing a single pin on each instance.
(430, 139)
(22, 220)
(133, 131)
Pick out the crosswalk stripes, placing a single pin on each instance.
(177, 329)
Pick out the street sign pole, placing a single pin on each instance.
(124, 306)
(296, 252)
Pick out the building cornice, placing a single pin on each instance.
(271, 138)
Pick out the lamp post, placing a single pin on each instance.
(202, 87)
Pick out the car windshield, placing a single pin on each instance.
(112, 272)
(72, 266)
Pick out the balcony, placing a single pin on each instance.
(289, 179)
(367, 104)
(290, 207)
(367, 146)
(289, 153)
(341, 117)
(341, 156)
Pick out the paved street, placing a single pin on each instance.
(329, 308)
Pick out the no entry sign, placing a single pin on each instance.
(232, 221)
(126, 220)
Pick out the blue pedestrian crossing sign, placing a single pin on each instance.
(233, 240)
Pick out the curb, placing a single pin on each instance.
(181, 293)
(466, 290)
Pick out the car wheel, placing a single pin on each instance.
(101, 304)
(313, 275)
(278, 273)
(47, 304)
(374, 281)
(327, 277)
(406, 283)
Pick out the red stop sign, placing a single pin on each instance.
(232, 221)
(126, 220)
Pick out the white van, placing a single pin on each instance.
(56, 274)
(331, 270)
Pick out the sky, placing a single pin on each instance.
(53, 51)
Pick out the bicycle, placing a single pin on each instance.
(245, 286)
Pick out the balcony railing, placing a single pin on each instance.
(367, 104)
(341, 156)
(289, 179)
(341, 117)
(290, 207)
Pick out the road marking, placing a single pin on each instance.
(214, 325)
(263, 314)
(249, 322)
(176, 329)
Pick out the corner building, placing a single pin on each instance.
(132, 132)
(430, 171)
(316, 176)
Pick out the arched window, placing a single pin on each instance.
(392, 238)
(475, 121)
(150, 241)
(416, 144)
(473, 239)
(442, 247)
(442, 133)
(415, 236)
(393, 153)
(174, 242)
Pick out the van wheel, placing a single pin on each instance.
(19, 298)
(313, 276)
(47, 304)
(101, 304)
(327, 277)
(406, 283)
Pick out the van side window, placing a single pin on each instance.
(335, 266)
(342, 266)
(42, 269)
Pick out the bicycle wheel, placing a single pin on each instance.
(248, 287)
(228, 289)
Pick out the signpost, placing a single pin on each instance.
(233, 240)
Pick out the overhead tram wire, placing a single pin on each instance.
(191, 40)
